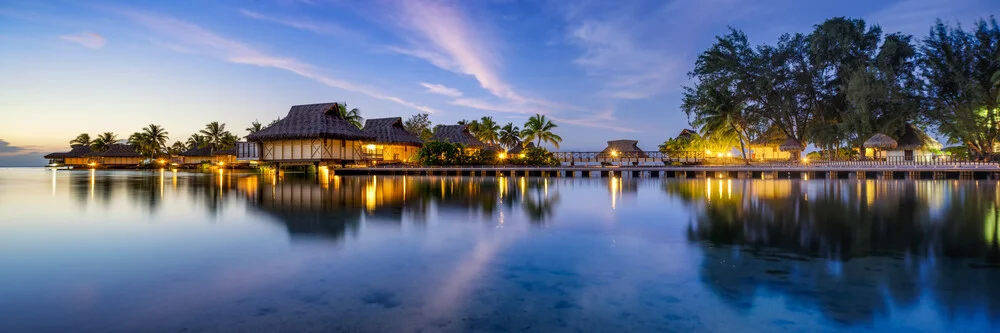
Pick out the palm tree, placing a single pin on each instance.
(214, 134)
(353, 116)
(540, 129)
(720, 118)
(82, 139)
(255, 126)
(196, 141)
(510, 136)
(156, 137)
(104, 141)
(488, 130)
(176, 148)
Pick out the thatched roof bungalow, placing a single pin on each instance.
(393, 143)
(520, 148)
(77, 156)
(767, 146)
(195, 156)
(622, 149)
(312, 134)
(116, 155)
(913, 144)
(459, 134)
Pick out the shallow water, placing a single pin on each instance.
(152, 251)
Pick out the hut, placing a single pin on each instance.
(793, 147)
(457, 134)
(913, 144)
(195, 156)
(116, 155)
(767, 146)
(622, 149)
(77, 156)
(881, 142)
(687, 134)
(393, 143)
(311, 134)
(520, 148)
(224, 156)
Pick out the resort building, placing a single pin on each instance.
(519, 148)
(914, 144)
(311, 134)
(195, 156)
(459, 134)
(793, 148)
(393, 144)
(117, 155)
(75, 157)
(224, 157)
(622, 149)
(767, 146)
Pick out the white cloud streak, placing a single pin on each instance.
(90, 40)
(193, 37)
(441, 89)
(322, 28)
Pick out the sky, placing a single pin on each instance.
(601, 70)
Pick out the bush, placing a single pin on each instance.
(535, 156)
(440, 153)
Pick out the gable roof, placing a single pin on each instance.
(915, 139)
(310, 121)
(687, 133)
(624, 148)
(518, 148)
(456, 134)
(75, 151)
(390, 130)
(203, 151)
(117, 150)
(230, 151)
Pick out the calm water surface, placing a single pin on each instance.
(152, 251)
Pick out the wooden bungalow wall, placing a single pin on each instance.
(310, 150)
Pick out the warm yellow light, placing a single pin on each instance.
(92, 164)
(614, 153)
(222, 163)
(522, 155)
(805, 160)
(174, 164)
(370, 147)
(708, 152)
(729, 154)
(502, 155)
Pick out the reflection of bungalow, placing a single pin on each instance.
(622, 149)
(75, 157)
(116, 155)
(196, 156)
(392, 141)
(457, 134)
(768, 146)
(311, 134)
(913, 144)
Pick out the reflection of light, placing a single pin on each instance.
(991, 226)
(324, 177)
(92, 184)
(729, 189)
(175, 178)
(524, 185)
(503, 187)
(708, 188)
(870, 192)
(53, 182)
(371, 194)
(615, 189)
(161, 182)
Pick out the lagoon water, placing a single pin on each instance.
(163, 251)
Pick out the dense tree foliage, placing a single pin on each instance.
(538, 128)
(420, 125)
(104, 141)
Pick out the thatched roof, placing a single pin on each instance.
(791, 145)
(75, 151)
(687, 134)
(309, 122)
(203, 151)
(230, 151)
(915, 139)
(117, 150)
(390, 130)
(518, 148)
(456, 134)
(623, 148)
(880, 141)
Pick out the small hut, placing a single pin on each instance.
(312, 134)
(116, 155)
(913, 144)
(77, 156)
(793, 147)
(195, 156)
(459, 134)
(767, 146)
(622, 149)
(392, 142)
(224, 156)
(687, 134)
(881, 142)
(520, 148)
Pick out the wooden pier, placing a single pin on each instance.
(979, 172)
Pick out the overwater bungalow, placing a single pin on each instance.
(793, 148)
(393, 144)
(311, 134)
(913, 144)
(224, 156)
(622, 149)
(75, 157)
(117, 155)
(459, 134)
(768, 146)
(195, 156)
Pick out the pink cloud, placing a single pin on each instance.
(90, 40)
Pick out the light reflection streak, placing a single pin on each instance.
(92, 180)
(53, 182)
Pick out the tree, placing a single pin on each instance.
(488, 131)
(352, 116)
(510, 136)
(958, 67)
(196, 141)
(176, 148)
(539, 128)
(104, 141)
(255, 126)
(82, 139)
(718, 114)
(419, 125)
(157, 137)
(216, 135)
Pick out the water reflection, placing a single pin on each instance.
(852, 249)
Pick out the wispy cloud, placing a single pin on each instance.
(323, 28)
(90, 40)
(7, 148)
(191, 37)
(435, 88)
(605, 119)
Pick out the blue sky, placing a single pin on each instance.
(602, 70)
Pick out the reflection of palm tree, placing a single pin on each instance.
(539, 208)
